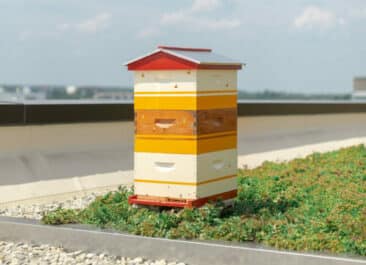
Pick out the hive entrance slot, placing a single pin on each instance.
(164, 123)
(218, 164)
(164, 166)
(217, 122)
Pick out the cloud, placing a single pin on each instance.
(24, 35)
(342, 21)
(205, 5)
(192, 19)
(358, 12)
(198, 23)
(173, 18)
(63, 26)
(315, 17)
(148, 32)
(92, 25)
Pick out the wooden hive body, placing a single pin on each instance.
(185, 133)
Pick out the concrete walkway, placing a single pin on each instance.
(255, 160)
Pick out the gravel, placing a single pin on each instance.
(36, 210)
(21, 253)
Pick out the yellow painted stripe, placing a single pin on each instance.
(184, 92)
(185, 102)
(184, 137)
(184, 146)
(184, 183)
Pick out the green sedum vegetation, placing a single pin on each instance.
(312, 204)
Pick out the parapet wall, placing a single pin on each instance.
(62, 148)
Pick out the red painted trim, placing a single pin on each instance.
(162, 61)
(181, 203)
(135, 200)
(184, 49)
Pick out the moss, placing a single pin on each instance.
(317, 203)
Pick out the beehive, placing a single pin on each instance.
(185, 127)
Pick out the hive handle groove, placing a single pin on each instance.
(164, 123)
(218, 164)
(165, 166)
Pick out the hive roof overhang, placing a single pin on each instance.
(176, 58)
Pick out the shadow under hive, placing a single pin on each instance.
(185, 127)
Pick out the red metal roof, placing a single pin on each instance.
(180, 58)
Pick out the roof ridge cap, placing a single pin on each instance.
(190, 49)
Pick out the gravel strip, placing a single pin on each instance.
(21, 253)
(34, 211)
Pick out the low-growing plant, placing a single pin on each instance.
(61, 216)
(317, 203)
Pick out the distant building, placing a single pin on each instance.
(10, 93)
(125, 95)
(20, 93)
(359, 88)
(34, 93)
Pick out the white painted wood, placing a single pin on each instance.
(213, 188)
(185, 168)
(165, 190)
(185, 80)
(165, 81)
(166, 167)
(216, 164)
(185, 192)
(188, 94)
(216, 80)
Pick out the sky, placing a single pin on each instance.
(309, 46)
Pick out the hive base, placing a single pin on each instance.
(179, 203)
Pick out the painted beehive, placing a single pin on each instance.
(185, 127)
